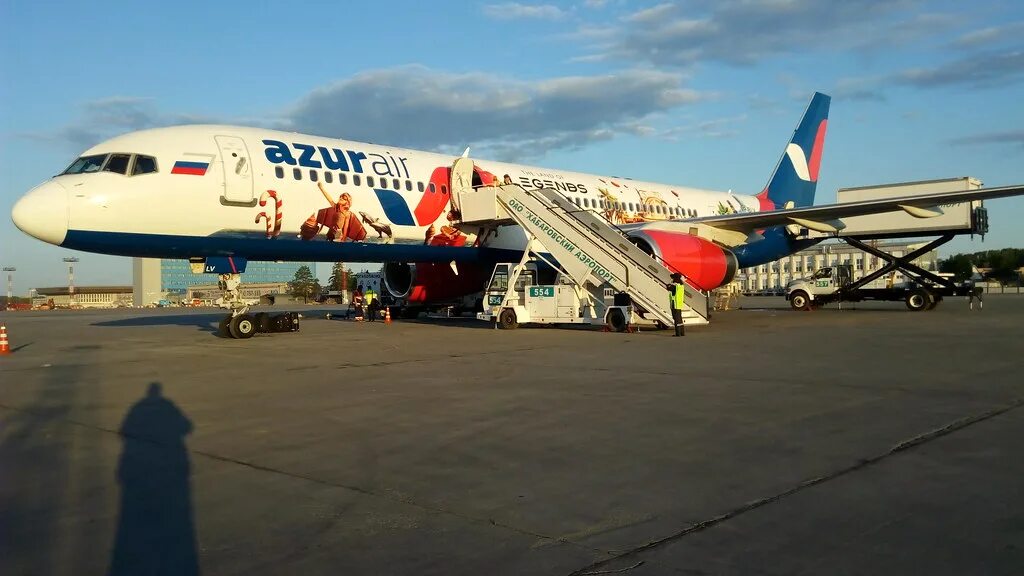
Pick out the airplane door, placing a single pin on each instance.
(461, 179)
(237, 169)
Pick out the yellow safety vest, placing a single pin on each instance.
(678, 294)
(369, 297)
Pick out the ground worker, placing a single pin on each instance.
(677, 297)
(371, 303)
(357, 303)
(974, 294)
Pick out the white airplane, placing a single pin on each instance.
(225, 195)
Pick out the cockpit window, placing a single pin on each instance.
(86, 164)
(144, 165)
(117, 163)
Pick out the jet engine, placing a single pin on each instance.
(706, 264)
(433, 282)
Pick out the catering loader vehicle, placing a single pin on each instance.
(835, 284)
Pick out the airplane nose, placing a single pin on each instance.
(43, 213)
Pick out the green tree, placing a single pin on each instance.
(337, 280)
(959, 265)
(304, 284)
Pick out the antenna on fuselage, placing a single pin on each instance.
(466, 153)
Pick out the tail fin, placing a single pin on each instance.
(796, 175)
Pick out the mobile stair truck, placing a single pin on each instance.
(576, 269)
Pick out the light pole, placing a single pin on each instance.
(71, 279)
(10, 283)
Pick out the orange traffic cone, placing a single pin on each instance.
(5, 347)
(387, 315)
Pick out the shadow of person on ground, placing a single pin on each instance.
(155, 530)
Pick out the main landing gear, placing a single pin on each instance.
(240, 324)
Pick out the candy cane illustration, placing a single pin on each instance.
(277, 213)
(270, 233)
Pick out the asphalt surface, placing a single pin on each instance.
(856, 441)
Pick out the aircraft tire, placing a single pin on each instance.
(507, 319)
(224, 327)
(243, 326)
(617, 321)
(799, 300)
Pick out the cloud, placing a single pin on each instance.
(978, 71)
(517, 11)
(981, 70)
(714, 128)
(986, 37)
(417, 107)
(107, 117)
(865, 89)
(422, 108)
(743, 32)
(1009, 137)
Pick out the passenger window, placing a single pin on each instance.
(397, 185)
(408, 185)
(117, 163)
(444, 189)
(384, 183)
(279, 171)
(433, 189)
(328, 177)
(313, 176)
(369, 181)
(297, 173)
(419, 186)
(144, 165)
(355, 179)
(342, 178)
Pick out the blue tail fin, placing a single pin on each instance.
(796, 175)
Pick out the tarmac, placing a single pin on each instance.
(858, 441)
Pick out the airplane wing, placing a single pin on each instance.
(827, 217)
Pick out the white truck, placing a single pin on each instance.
(835, 284)
(514, 296)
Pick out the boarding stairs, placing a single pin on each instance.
(587, 248)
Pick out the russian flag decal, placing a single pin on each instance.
(193, 168)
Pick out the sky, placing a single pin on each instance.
(700, 93)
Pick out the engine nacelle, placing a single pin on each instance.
(433, 282)
(705, 264)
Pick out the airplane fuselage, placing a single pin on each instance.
(224, 190)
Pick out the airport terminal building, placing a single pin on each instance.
(772, 278)
(156, 280)
(83, 297)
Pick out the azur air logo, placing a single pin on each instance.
(396, 208)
